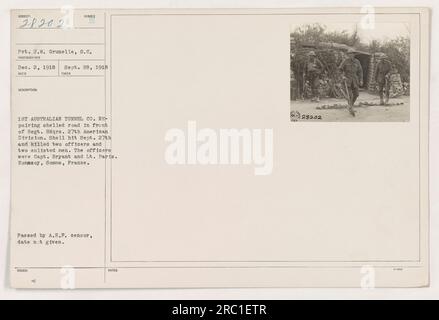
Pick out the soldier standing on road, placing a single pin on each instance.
(353, 73)
(382, 73)
(313, 70)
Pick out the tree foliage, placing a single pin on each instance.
(315, 33)
(398, 49)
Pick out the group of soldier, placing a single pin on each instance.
(352, 77)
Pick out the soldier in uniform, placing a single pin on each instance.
(353, 78)
(382, 74)
(313, 70)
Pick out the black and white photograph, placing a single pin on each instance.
(350, 72)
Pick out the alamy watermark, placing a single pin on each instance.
(231, 146)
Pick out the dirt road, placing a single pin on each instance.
(391, 113)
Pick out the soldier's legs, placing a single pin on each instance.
(355, 93)
(299, 84)
(315, 88)
(387, 86)
(381, 92)
(311, 79)
(351, 102)
(293, 92)
(351, 95)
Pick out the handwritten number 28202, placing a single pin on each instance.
(42, 23)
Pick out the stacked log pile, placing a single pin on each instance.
(397, 87)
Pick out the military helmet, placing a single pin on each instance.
(311, 53)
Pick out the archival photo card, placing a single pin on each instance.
(157, 149)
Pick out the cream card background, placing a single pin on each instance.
(338, 191)
(253, 293)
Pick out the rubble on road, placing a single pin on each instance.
(361, 104)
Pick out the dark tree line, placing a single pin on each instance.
(398, 49)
